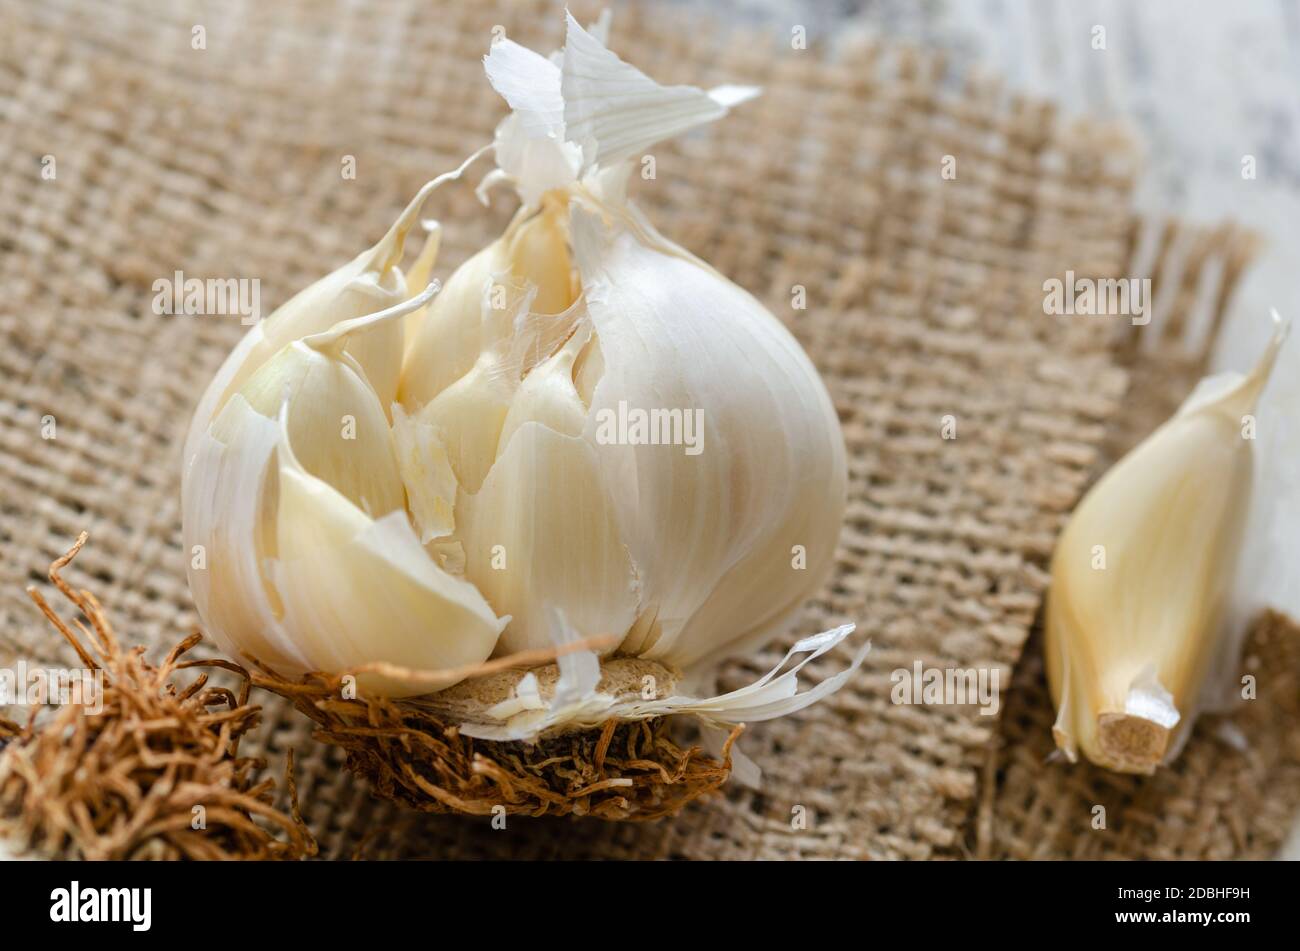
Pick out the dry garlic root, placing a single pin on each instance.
(1142, 575)
(380, 476)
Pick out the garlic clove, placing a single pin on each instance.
(736, 493)
(225, 496)
(540, 535)
(538, 253)
(448, 340)
(468, 417)
(548, 395)
(358, 590)
(533, 252)
(355, 289)
(336, 421)
(1141, 577)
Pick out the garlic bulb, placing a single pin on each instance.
(1141, 578)
(588, 433)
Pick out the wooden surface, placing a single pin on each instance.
(1202, 83)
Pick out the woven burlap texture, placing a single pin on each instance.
(924, 300)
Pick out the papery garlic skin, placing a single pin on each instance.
(1141, 579)
(771, 479)
(479, 507)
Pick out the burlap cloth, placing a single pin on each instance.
(924, 299)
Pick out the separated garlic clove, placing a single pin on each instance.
(1141, 578)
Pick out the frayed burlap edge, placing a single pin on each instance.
(629, 770)
(140, 767)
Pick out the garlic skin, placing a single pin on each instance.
(771, 476)
(477, 506)
(1141, 579)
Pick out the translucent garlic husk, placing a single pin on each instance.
(1142, 577)
(486, 493)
